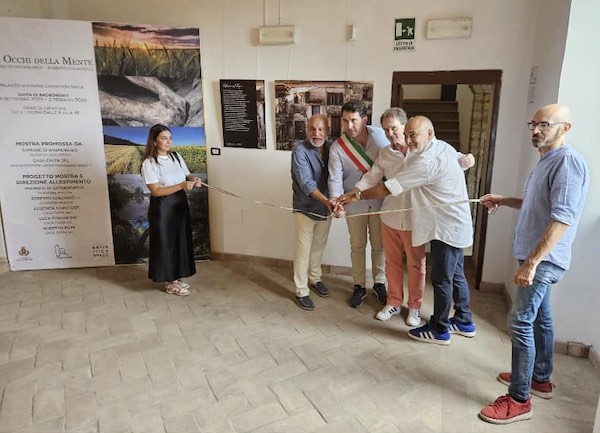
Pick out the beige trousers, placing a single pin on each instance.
(357, 228)
(311, 239)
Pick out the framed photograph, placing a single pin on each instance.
(296, 101)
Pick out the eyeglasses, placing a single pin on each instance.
(542, 126)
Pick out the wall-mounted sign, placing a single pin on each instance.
(243, 110)
(532, 82)
(451, 28)
(404, 34)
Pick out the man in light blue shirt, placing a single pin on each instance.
(550, 210)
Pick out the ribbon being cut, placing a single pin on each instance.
(332, 215)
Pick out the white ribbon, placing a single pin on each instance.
(291, 209)
(410, 209)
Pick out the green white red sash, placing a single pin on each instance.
(355, 152)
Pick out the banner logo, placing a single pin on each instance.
(23, 254)
(61, 253)
(100, 251)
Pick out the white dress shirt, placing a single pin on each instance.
(343, 173)
(434, 178)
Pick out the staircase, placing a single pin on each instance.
(443, 115)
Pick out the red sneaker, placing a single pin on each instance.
(506, 410)
(541, 389)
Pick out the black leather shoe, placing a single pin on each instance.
(320, 288)
(305, 303)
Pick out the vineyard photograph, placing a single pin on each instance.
(124, 148)
(123, 159)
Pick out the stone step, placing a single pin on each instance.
(433, 114)
(429, 105)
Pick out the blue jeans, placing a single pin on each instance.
(531, 331)
(449, 283)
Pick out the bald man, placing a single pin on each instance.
(549, 213)
(440, 216)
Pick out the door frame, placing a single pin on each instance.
(486, 76)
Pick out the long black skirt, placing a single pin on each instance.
(171, 250)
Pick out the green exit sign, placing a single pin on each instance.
(405, 28)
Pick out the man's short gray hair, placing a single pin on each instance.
(394, 113)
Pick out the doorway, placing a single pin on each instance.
(470, 100)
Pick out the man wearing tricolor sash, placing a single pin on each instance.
(350, 156)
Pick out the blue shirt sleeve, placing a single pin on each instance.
(302, 171)
(566, 189)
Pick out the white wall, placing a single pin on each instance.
(503, 38)
(228, 33)
(515, 157)
(576, 300)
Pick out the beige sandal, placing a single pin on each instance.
(174, 288)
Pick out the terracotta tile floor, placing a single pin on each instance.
(104, 350)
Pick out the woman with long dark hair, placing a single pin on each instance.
(167, 176)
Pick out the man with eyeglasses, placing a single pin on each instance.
(550, 210)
